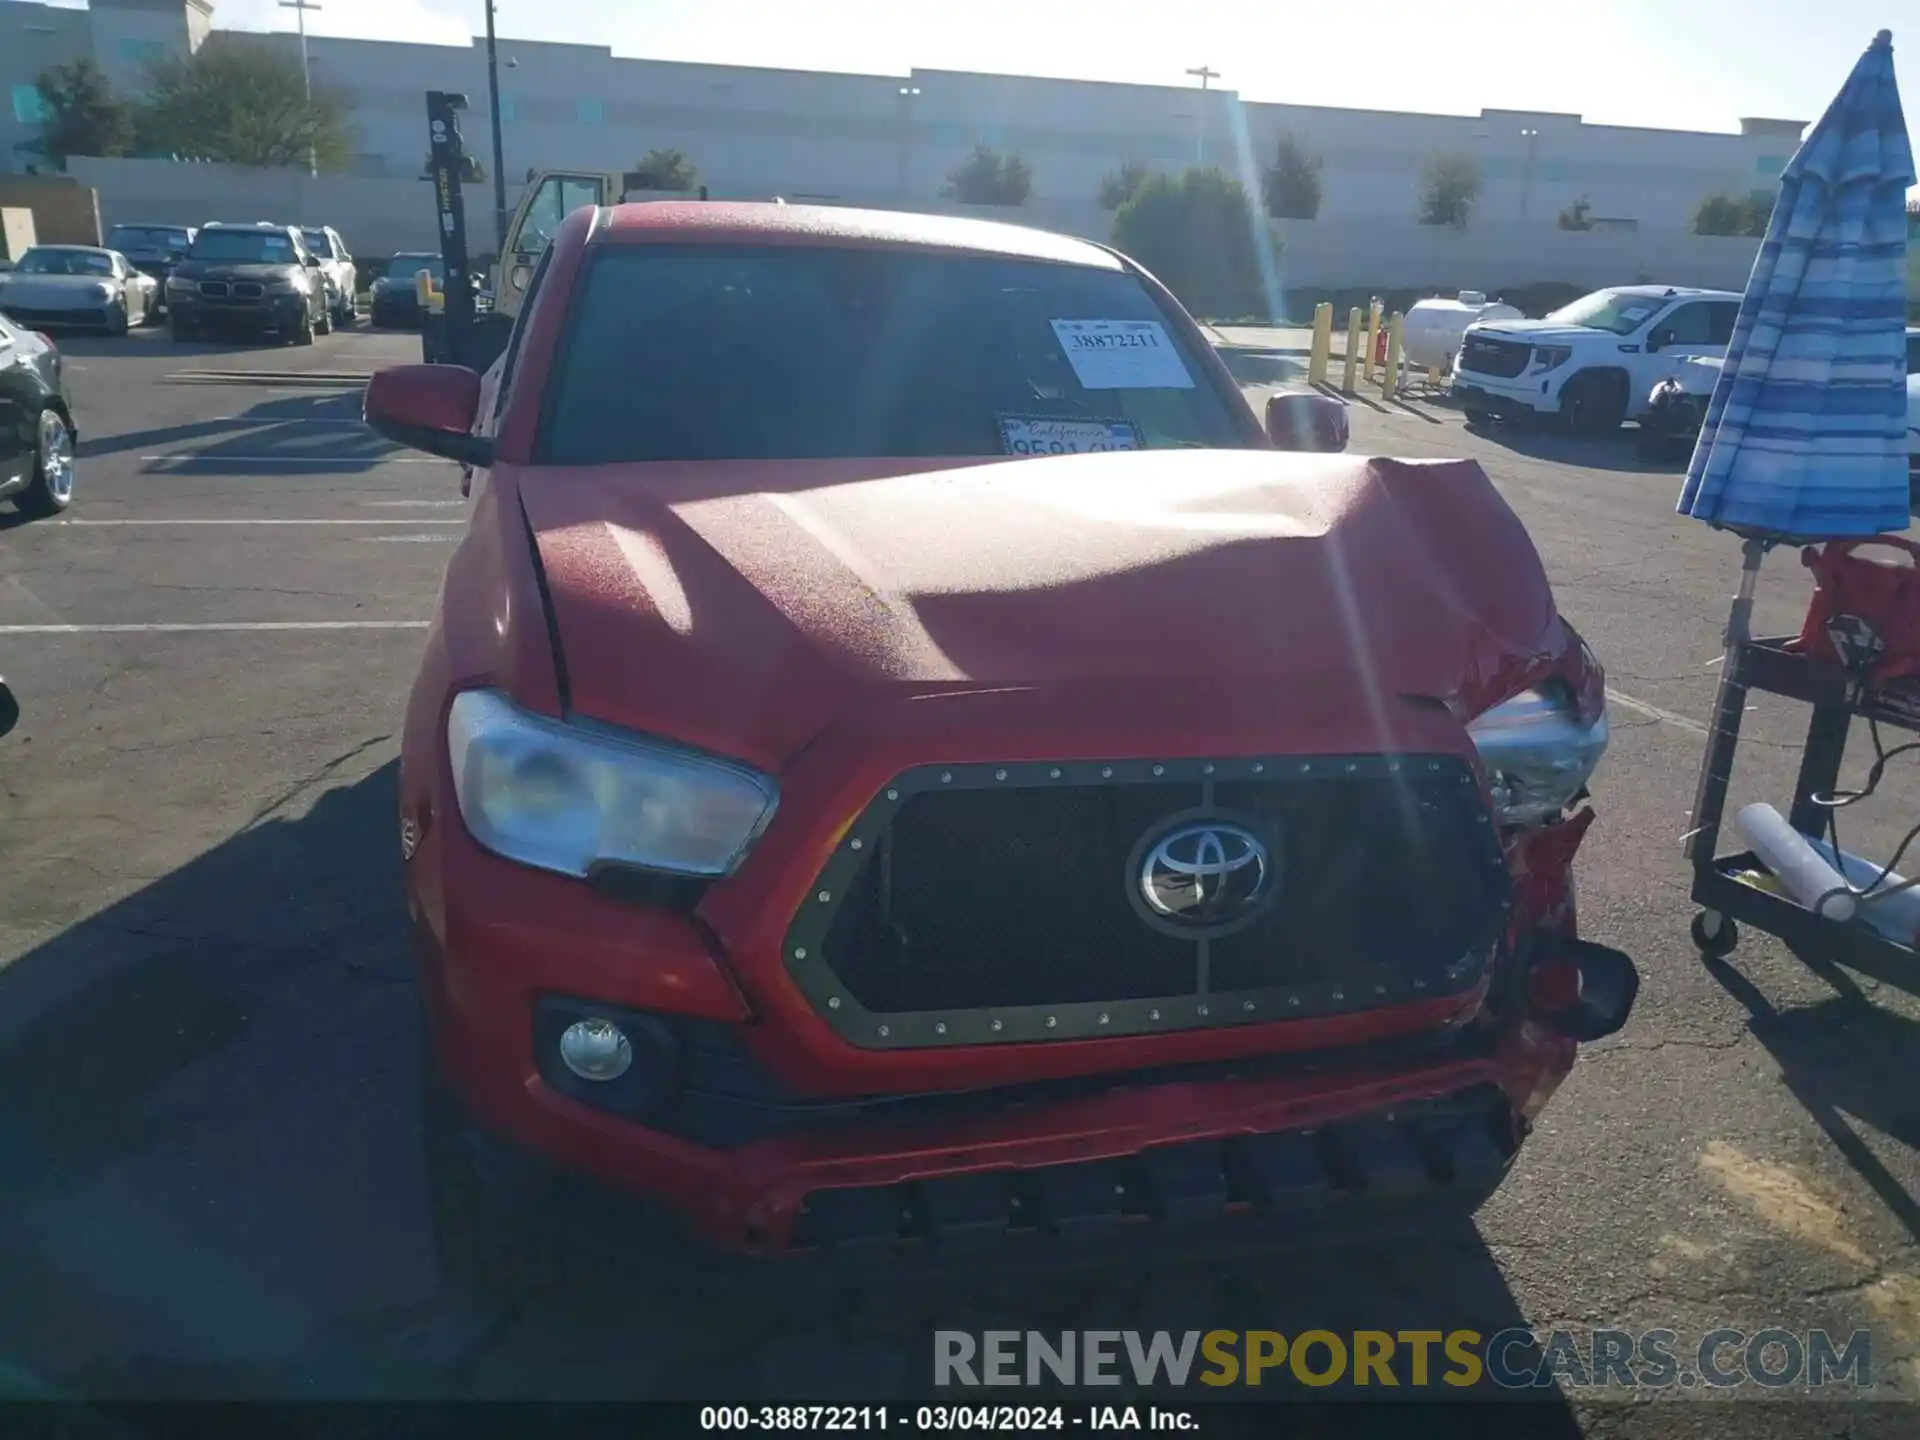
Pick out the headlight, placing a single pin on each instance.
(1537, 753)
(178, 285)
(569, 798)
(282, 287)
(103, 292)
(1550, 357)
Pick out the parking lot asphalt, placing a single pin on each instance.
(207, 1026)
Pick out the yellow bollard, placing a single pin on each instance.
(1348, 375)
(430, 299)
(1322, 353)
(1390, 384)
(1373, 336)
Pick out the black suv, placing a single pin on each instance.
(260, 276)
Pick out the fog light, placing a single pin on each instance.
(596, 1050)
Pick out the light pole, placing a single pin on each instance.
(907, 92)
(300, 9)
(1203, 75)
(499, 148)
(1530, 135)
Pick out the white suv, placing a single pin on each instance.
(338, 268)
(1595, 362)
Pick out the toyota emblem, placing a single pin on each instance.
(1202, 876)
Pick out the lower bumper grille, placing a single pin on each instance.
(1418, 1154)
(92, 319)
(989, 904)
(1486, 356)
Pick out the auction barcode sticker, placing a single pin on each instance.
(1122, 355)
(1031, 435)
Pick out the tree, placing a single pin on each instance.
(1199, 233)
(81, 115)
(987, 177)
(1578, 215)
(1722, 214)
(1449, 185)
(243, 103)
(664, 170)
(1291, 186)
(1117, 186)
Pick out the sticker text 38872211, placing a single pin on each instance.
(1122, 355)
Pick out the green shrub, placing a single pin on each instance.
(1200, 233)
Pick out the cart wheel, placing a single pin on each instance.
(1714, 935)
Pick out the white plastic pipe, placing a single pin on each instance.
(1808, 878)
(1894, 912)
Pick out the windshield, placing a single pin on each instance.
(789, 353)
(130, 238)
(1620, 311)
(245, 247)
(64, 262)
(318, 243)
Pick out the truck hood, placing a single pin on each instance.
(1537, 332)
(747, 607)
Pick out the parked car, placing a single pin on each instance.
(336, 264)
(394, 303)
(153, 250)
(9, 709)
(1677, 407)
(258, 277)
(37, 433)
(78, 287)
(1593, 363)
(947, 785)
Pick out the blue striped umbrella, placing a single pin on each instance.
(1805, 436)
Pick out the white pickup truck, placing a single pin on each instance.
(1593, 363)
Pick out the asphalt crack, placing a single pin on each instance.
(307, 782)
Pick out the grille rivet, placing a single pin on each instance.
(1203, 1010)
(1294, 1001)
(1339, 994)
(1106, 772)
(1206, 769)
(1103, 1019)
(1433, 765)
(996, 1025)
(940, 1027)
(1306, 769)
(1120, 1189)
(825, 896)
(857, 845)
(1259, 768)
(833, 1002)
(883, 1032)
(1053, 774)
(999, 774)
(1379, 989)
(1246, 1005)
(1351, 768)
(946, 777)
(893, 794)
(1159, 769)
(799, 952)
(1393, 767)
(1419, 984)
(1155, 1015)
(1051, 1022)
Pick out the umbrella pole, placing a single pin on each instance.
(1729, 704)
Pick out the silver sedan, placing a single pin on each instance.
(78, 285)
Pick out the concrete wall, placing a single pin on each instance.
(380, 216)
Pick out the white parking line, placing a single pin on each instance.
(1654, 712)
(189, 457)
(213, 627)
(397, 520)
(410, 504)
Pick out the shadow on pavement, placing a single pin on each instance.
(214, 1191)
(1845, 1057)
(325, 421)
(1616, 452)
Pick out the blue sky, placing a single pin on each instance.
(1690, 64)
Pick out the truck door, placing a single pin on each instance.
(1685, 331)
(551, 196)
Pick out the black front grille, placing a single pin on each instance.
(248, 290)
(986, 904)
(214, 288)
(1485, 355)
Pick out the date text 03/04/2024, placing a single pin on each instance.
(1005, 1419)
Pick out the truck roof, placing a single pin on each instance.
(762, 223)
(1674, 290)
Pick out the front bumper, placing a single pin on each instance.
(98, 317)
(1502, 397)
(264, 312)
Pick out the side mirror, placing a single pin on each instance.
(310, 262)
(430, 408)
(1306, 420)
(1659, 339)
(9, 708)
